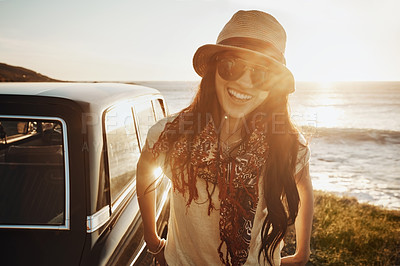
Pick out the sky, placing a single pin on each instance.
(128, 40)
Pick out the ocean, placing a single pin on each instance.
(353, 129)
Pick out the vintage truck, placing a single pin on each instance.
(68, 156)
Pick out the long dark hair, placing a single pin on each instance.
(280, 191)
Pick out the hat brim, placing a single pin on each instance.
(283, 77)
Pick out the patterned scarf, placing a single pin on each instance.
(236, 177)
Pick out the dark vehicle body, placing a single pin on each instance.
(68, 155)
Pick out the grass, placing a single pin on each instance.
(346, 232)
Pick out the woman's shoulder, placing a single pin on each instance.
(156, 130)
(302, 140)
(160, 124)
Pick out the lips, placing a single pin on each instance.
(239, 96)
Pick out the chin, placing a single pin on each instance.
(236, 112)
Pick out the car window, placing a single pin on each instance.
(145, 117)
(122, 148)
(32, 172)
(159, 108)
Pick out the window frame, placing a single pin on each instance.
(67, 189)
(163, 106)
(150, 100)
(130, 189)
(131, 186)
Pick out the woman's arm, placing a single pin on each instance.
(303, 223)
(145, 185)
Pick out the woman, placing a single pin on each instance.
(238, 166)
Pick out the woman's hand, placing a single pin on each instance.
(296, 259)
(160, 259)
(154, 246)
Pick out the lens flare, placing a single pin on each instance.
(157, 172)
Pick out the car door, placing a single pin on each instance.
(126, 126)
(158, 110)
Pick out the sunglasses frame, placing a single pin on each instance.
(244, 65)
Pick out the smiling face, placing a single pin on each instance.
(241, 92)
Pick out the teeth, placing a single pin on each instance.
(238, 95)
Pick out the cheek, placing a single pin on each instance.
(259, 99)
(262, 96)
(219, 88)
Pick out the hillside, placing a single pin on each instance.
(346, 232)
(10, 73)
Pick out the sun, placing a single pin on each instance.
(326, 107)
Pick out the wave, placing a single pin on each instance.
(352, 134)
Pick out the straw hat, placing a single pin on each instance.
(254, 32)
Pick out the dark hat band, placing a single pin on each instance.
(257, 45)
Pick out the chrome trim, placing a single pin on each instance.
(47, 227)
(134, 103)
(136, 124)
(97, 220)
(123, 196)
(139, 253)
(158, 213)
(131, 103)
(66, 225)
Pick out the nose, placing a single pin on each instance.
(245, 79)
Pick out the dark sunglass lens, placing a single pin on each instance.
(224, 68)
(229, 69)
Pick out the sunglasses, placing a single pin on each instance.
(232, 68)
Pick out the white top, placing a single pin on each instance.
(193, 235)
